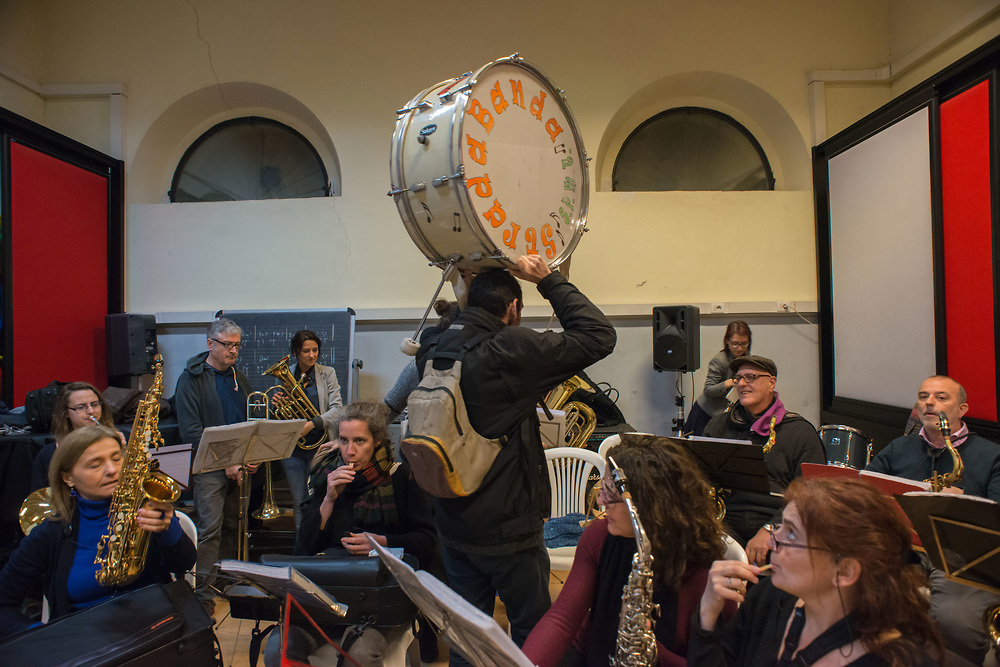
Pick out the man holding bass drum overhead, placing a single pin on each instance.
(492, 539)
(320, 386)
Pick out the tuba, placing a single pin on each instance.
(36, 508)
(121, 552)
(636, 645)
(937, 481)
(580, 418)
(296, 404)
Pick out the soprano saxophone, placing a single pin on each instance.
(636, 645)
(121, 552)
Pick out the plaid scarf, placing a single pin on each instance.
(375, 502)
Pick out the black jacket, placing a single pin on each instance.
(503, 379)
(198, 404)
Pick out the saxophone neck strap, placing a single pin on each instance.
(837, 635)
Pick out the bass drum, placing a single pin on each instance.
(846, 446)
(490, 166)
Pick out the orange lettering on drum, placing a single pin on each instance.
(481, 184)
(510, 236)
(537, 103)
(552, 127)
(516, 92)
(484, 117)
(496, 215)
(499, 103)
(550, 245)
(530, 241)
(477, 150)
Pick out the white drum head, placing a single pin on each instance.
(489, 167)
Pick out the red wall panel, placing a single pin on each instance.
(59, 282)
(968, 247)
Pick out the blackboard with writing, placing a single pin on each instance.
(267, 337)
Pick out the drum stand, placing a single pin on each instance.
(409, 346)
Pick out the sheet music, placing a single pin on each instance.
(255, 441)
(466, 629)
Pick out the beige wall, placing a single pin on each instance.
(338, 70)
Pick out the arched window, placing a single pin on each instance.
(691, 148)
(249, 158)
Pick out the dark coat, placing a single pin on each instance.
(503, 379)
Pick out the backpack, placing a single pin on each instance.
(446, 455)
(38, 405)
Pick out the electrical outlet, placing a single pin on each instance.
(718, 307)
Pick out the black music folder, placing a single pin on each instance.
(960, 533)
(737, 465)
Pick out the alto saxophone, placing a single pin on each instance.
(937, 481)
(121, 552)
(636, 645)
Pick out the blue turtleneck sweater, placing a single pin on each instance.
(82, 586)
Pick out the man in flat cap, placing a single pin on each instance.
(788, 439)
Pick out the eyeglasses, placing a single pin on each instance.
(739, 345)
(609, 495)
(777, 545)
(83, 406)
(749, 377)
(228, 346)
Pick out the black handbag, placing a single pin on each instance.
(38, 405)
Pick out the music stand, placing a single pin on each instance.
(736, 465)
(466, 629)
(249, 442)
(961, 535)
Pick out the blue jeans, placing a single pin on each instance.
(296, 472)
(217, 501)
(521, 580)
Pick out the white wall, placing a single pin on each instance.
(338, 70)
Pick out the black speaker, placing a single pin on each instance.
(131, 343)
(676, 341)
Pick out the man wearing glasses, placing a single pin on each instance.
(211, 391)
(958, 608)
(788, 439)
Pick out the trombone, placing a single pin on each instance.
(258, 408)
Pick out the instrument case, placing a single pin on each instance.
(149, 627)
(362, 583)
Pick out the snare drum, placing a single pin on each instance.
(490, 166)
(845, 446)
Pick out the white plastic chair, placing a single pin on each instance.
(191, 530)
(569, 469)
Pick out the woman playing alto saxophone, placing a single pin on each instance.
(60, 552)
(671, 497)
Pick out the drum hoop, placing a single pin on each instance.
(842, 427)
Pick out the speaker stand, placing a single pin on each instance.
(679, 402)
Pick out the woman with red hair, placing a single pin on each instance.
(843, 590)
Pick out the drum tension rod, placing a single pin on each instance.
(441, 180)
(423, 105)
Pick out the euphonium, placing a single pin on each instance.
(937, 481)
(121, 552)
(36, 508)
(636, 645)
(296, 404)
(580, 418)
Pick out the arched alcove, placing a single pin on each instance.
(173, 131)
(749, 105)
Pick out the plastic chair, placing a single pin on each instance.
(569, 469)
(191, 530)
